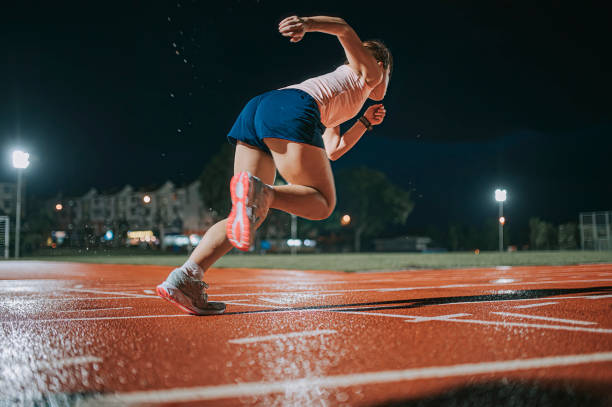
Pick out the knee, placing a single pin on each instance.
(326, 208)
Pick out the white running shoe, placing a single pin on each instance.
(188, 294)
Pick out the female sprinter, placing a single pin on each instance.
(297, 131)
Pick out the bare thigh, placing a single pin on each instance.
(303, 164)
(254, 160)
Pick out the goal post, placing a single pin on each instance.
(5, 225)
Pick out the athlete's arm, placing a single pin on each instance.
(337, 145)
(359, 58)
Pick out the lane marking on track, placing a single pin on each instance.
(82, 290)
(96, 309)
(33, 321)
(567, 321)
(252, 339)
(235, 302)
(525, 325)
(541, 304)
(56, 364)
(148, 291)
(249, 389)
(596, 297)
(441, 317)
(408, 318)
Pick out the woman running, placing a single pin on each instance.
(297, 131)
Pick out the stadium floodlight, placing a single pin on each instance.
(21, 161)
(500, 196)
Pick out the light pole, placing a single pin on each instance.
(500, 196)
(21, 161)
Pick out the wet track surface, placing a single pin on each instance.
(86, 334)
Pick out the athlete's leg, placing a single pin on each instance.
(311, 192)
(214, 244)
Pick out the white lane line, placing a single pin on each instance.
(108, 292)
(567, 321)
(56, 364)
(596, 297)
(524, 325)
(249, 389)
(32, 321)
(252, 339)
(148, 291)
(440, 318)
(271, 300)
(541, 304)
(96, 309)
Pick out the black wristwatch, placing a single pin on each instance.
(366, 123)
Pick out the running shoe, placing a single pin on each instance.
(188, 294)
(248, 203)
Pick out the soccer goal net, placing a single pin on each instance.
(4, 236)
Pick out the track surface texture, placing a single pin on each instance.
(87, 334)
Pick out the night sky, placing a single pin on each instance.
(483, 94)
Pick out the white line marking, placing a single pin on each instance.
(249, 389)
(96, 309)
(271, 300)
(56, 364)
(92, 318)
(441, 317)
(567, 321)
(524, 325)
(148, 291)
(596, 297)
(252, 339)
(235, 302)
(541, 304)
(108, 292)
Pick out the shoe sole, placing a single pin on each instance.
(238, 229)
(178, 299)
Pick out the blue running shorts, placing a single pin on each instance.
(289, 114)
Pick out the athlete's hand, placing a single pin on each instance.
(375, 114)
(294, 27)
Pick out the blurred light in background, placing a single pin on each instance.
(146, 199)
(500, 195)
(59, 207)
(109, 235)
(502, 220)
(346, 219)
(21, 159)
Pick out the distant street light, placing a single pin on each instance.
(146, 199)
(500, 196)
(345, 220)
(59, 207)
(21, 161)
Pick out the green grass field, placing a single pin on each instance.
(354, 261)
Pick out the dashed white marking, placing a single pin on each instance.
(95, 309)
(273, 301)
(148, 291)
(540, 304)
(441, 317)
(249, 389)
(33, 321)
(252, 339)
(567, 321)
(108, 292)
(540, 326)
(56, 364)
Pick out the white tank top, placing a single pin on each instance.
(340, 94)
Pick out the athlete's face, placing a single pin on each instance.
(379, 92)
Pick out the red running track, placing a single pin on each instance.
(89, 334)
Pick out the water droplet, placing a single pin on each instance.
(171, 94)
(174, 44)
(179, 130)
